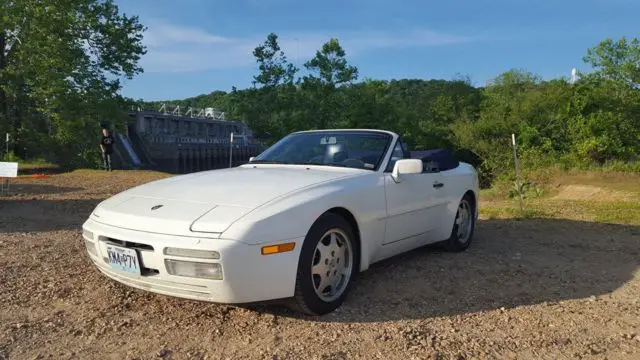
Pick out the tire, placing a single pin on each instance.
(333, 234)
(459, 240)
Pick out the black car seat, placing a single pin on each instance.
(336, 153)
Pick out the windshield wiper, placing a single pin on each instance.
(268, 162)
(295, 163)
(320, 164)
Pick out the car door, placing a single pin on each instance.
(414, 205)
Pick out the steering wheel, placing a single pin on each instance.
(316, 159)
(352, 162)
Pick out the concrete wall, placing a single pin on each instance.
(187, 158)
(181, 145)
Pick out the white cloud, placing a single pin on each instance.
(177, 48)
(162, 33)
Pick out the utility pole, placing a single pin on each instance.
(515, 160)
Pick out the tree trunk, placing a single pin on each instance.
(3, 97)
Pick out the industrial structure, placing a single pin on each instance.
(167, 140)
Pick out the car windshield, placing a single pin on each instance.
(356, 149)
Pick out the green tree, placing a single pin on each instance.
(272, 63)
(329, 70)
(606, 120)
(592, 121)
(63, 55)
(330, 66)
(367, 105)
(502, 112)
(269, 106)
(617, 60)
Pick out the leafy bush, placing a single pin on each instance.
(528, 189)
(10, 157)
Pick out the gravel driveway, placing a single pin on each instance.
(526, 289)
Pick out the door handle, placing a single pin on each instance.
(438, 184)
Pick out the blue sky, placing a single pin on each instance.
(198, 46)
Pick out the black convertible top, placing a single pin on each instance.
(436, 159)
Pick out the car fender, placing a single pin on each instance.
(464, 179)
(292, 216)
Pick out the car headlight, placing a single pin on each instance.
(211, 271)
(91, 248)
(87, 234)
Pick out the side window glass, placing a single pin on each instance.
(405, 150)
(397, 154)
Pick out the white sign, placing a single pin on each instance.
(513, 139)
(232, 138)
(8, 169)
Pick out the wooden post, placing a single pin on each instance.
(515, 160)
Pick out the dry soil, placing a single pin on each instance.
(526, 289)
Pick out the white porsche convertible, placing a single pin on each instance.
(296, 222)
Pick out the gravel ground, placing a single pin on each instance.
(526, 289)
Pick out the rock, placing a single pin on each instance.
(163, 353)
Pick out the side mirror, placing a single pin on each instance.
(405, 167)
(251, 158)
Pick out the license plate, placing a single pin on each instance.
(123, 259)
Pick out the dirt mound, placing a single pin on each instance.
(591, 192)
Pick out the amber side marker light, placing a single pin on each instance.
(275, 249)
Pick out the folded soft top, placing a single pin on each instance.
(436, 159)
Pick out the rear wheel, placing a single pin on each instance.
(463, 227)
(326, 266)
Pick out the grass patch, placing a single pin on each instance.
(140, 175)
(36, 165)
(617, 212)
(588, 195)
(549, 182)
(614, 212)
(512, 213)
(510, 209)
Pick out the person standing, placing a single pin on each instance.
(106, 145)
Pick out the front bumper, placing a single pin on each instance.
(248, 276)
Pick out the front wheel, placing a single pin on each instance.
(326, 266)
(463, 227)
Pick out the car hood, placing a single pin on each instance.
(210, 201)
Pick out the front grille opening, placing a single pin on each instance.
(127, 244)
(148, 272)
